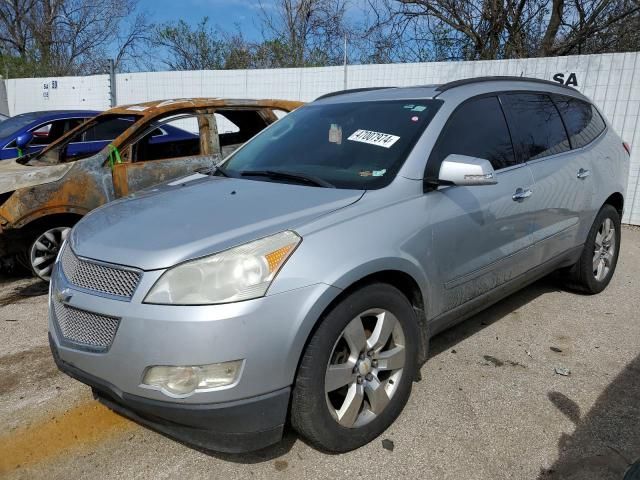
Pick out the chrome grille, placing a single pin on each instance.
(112, 280)
(85, 329)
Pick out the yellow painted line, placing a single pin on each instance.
(84, 425)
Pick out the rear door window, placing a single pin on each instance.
(582, 120)
(478, 129)
(536, 125)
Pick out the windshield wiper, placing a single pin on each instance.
(283, 175)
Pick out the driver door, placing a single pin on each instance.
(481, 234)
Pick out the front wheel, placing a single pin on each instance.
(356, 373)
(43, 249)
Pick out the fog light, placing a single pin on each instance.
(189, 379)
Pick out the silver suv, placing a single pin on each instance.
(301, 279)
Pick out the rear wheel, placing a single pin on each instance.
(43, 249)
(594, 270)
(356, 373)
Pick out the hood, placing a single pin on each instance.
(14, 175)
(198, 216)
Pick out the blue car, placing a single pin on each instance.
(29, 133)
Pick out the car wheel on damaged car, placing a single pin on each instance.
(301, 280)
(44, 249)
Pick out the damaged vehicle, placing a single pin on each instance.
(43, 194)
(300, 282)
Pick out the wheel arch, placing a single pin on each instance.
(16, 238)
(53, 218)
(399, 278)
(617, 201)
(45, 216)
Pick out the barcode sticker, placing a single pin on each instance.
(379, 139)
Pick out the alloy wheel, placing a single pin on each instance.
(604, 250)
(365, 368)
(44, 251)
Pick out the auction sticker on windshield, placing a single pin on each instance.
(385, 140)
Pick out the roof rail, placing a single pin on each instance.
(468, 81)
(352, 90)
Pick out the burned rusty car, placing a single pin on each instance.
(42, 195)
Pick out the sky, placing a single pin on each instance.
(222, 13)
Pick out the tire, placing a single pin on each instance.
(633, 473)
(322, 417)
(593, 271)
(43, 247)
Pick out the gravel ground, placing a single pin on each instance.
(490, 405)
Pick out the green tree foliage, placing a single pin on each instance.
(187, 48)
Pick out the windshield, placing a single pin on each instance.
(11, 125)
(359, 145)
(86, 141)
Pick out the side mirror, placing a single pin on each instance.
(464, 170)
(24, 139)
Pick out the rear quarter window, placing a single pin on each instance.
(582, 120)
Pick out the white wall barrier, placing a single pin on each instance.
(611, 80)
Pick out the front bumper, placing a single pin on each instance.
(268, 334)
(231, 427)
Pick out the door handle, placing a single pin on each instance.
(582, 173)
(521, 194)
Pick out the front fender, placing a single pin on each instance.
(46, 212)
(85, 186)
(405, 265)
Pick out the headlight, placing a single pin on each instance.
(240, 273)
(186, 380)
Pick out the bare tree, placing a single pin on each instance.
(585, 26)
(488, 29)
(67, 37)
(131, 44)
(303, 32)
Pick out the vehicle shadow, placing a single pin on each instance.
(27, 287)
(606, 440)
(272, 452)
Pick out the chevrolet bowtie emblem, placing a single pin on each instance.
(63, 296)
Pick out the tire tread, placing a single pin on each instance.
(312, 424)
